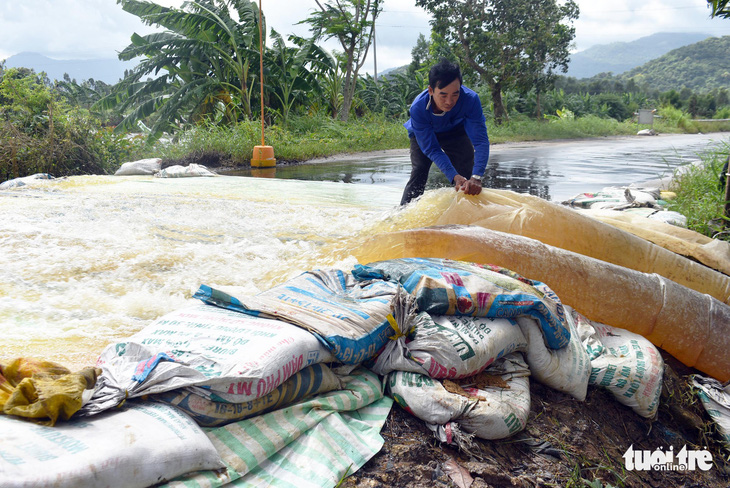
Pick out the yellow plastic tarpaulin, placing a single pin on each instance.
(43, 390)
(559, 226)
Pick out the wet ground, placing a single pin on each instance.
(553, 170)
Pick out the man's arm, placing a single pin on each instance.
(476, 129)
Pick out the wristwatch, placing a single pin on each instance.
(477, 177)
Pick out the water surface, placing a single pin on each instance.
(551, 170)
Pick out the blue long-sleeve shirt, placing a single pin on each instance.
(424, 125)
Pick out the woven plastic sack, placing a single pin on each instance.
(137, 446)
(237, 356)
(567, 369)
(355, 318)
(625, 363)
(445, 287)
(142, 167)
(210, 410)
(492, 405)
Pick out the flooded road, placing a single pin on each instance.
(553, 170)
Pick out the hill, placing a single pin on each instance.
(619, 57)
(107, 70)
(701, 67)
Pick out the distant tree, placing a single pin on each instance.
(352, 23)
(720, 8)
(722, 98)
(419, 54)
(507, 42)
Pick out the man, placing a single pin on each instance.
(447, 127)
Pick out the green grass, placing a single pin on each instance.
(304, 138)
(698, 196)
(301, 139)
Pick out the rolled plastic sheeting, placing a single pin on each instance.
(691, 326)
(710, 252)
(562, 227)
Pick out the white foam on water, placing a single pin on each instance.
(85, 261)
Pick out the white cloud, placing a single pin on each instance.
(74, 29)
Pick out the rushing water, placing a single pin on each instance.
(89, 260)
(86, 261)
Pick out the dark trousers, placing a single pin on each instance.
(457, 146)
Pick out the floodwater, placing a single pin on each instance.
(89, 260)
(551, 170)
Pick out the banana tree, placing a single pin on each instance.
(292, 70)
(201, 67)
(720, 8)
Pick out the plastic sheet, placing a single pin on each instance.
(562, 227)
(710, 252)
(693, 327)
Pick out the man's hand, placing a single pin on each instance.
(470, 187)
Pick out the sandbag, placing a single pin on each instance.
(492, 405)
(238, 356)
(559, 226)
(353, 317)
(31, 180)
(177, 171)
(691, 326)
(139, 445)
(141, 167)
(624, 363)
(567, 369)
(715, 397)
(445, 287)
(450, 347)
(210, 410)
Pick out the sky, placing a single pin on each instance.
(99, 29)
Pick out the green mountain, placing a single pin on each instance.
(618, 57)
(700, 67)
(106, 70)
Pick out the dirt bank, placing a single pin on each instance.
(567, 443)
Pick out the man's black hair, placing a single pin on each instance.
(443, 73)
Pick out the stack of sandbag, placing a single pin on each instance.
(458, 362)
(457, 365)
(646, 202)
(217, 365)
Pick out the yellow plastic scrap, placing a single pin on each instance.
(39, 389)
